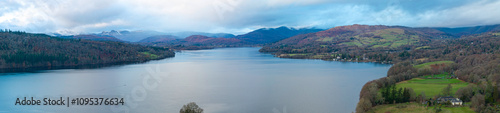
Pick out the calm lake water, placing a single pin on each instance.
(228, 80)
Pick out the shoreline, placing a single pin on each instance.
(325, 59)
(35, 69)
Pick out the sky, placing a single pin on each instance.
(237, 16)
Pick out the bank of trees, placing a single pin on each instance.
(391, 94)
(483, 96)
(25, 50)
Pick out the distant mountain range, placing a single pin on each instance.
(136, 36)
(359, 35)
(97, 38)
(215, 35)
(260, 36)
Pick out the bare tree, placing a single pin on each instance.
(447, 90)
(477, 102)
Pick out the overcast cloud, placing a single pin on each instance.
(238, 16)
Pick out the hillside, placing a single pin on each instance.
(365, 36)
(129, 36)
(24, 50)
(268, 35)
(355, 42)
(216, 35)
(159, 39)
(461, 31)
(199, 40)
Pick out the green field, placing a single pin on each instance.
(295, 54)
(428, 64)
(432, 87)
(445, 75)
(318, 56)
(416, 108)
(457, 110)
(151, 56)
(423, 47)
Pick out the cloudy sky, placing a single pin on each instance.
(238, 16)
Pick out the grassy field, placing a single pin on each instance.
(457, 110)
(151, 56)
(295, 54)
(428, 64)
(416, 108)
(432, 87)
(445, 75)
(423, 47)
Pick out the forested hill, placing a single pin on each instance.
(377, 36)
(20, 50)
(356, 42)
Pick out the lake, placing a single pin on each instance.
(226, 80)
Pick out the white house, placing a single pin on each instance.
(452, 100)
